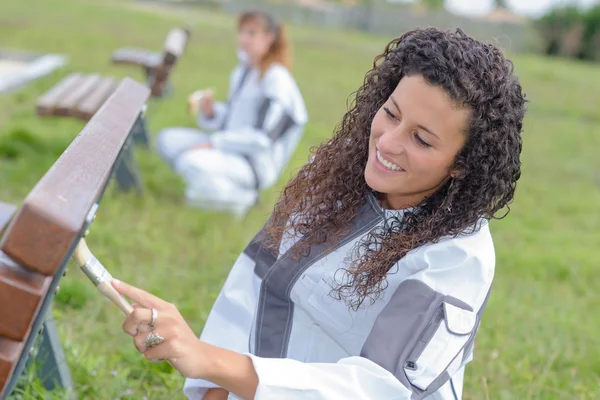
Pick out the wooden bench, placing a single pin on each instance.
(77, 95)
(37, 239)
(82, 96)
(157, 66)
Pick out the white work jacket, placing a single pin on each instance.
(412, 343)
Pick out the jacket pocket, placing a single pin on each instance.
(331, 313)
(439, 345)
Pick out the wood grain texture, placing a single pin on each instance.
(67, 105)
(46, 227)
(86, 108)
(47, 103)
(21, 295)
(10, 352)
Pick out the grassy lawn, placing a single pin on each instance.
(539, 338)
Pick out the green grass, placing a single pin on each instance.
(539, 338)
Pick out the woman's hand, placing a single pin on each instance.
(193, 358)
(180, 346)
(206, 104)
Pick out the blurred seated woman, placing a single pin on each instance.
(252, 136)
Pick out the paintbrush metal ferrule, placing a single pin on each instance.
(96, 271)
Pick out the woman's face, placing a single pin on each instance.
(415, 137)
(254, 40)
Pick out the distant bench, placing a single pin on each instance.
(157, 66)
(81, 95)
(37, 240)
(77, 95)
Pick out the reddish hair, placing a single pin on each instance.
(280, 49)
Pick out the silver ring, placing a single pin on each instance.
(154, 316)
(153, 339)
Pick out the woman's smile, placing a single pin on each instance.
(384, 163)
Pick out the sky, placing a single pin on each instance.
(532, 8)
(524, 7)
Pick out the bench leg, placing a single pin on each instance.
(140, 130)
(167, 90)
(126, 171)
(53, 369)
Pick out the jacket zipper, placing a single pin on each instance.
(425, 337)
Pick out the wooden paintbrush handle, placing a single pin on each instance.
(96, 272)
(107, 289)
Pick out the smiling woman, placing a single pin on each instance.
(371, 276)
(415, 137)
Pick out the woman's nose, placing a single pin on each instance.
(393, 140)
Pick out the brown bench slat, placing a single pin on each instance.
(21, 295)
(52, 216)
(47, 103)
(91, 104)
(67, 104)
(10, 352)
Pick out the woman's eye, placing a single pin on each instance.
(421, 141)
(389, 113)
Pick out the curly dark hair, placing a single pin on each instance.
(328, 191)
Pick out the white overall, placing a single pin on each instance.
(252, 136)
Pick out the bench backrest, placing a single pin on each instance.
(37, 243)
(174, 47)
